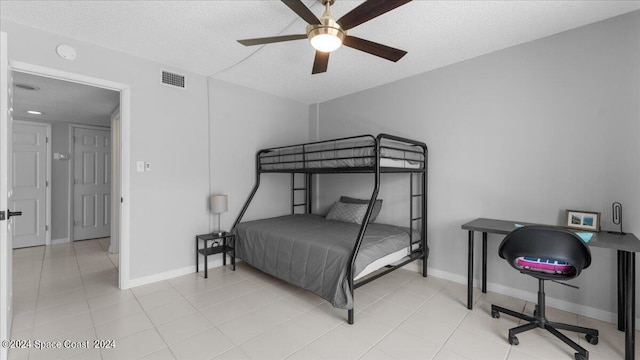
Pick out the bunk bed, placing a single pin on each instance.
(328, 257)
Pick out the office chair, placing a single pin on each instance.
(546, 253)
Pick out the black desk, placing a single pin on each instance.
(626, 246)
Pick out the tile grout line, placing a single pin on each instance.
(95, 332)
(35, 310)
(405, 319)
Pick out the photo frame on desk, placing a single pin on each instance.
(583, 220)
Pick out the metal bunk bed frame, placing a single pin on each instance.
(421, 253)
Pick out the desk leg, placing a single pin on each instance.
(484, 262)
(622, 271)
(206, 264)
(630, 306)
(470, 273)
(197, 268)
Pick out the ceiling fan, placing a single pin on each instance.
(326, 34)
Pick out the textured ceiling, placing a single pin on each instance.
(200, 36)
(63, 101)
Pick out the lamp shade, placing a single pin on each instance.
(219, 204)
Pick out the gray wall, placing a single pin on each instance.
(522, 134)
(244, 121)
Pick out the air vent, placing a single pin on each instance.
(173, 79)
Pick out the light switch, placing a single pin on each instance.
(140, 166)
(147, 166)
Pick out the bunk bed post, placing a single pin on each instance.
(309, 183)
(293, 193)
(423, 230)
(363, 227)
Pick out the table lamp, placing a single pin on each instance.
(219, 205)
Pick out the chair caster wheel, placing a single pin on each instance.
(495, 314)
(513, 340)
(580, 357)
(593, 340)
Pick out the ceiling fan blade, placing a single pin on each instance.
(321, 62)
(367, 11)
(272, 39)
(383, 51)
(299, 8)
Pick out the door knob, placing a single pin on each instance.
(13, 213)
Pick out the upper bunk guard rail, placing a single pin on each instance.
(376, 169)
(332, 149)
(313, 157)
(335, 158)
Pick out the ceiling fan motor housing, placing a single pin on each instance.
(328, 26)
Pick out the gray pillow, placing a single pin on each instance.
(351, 213)
(376, 207)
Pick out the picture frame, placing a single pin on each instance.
(583, 220)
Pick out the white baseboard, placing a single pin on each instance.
(564, 305)
(59, 241)
(174, 273)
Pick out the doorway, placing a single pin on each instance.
(120, 121)
(122, 144)
(81, 165)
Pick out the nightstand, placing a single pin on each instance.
(215, 243)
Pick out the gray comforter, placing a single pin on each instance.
(313, 253)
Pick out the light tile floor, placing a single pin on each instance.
(69, 292)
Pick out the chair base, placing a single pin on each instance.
(540, 321)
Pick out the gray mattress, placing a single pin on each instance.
(342, 154)
(313, 253)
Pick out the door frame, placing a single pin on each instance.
(47, 207)
(6, 249)
(72, 166)
(124, 145)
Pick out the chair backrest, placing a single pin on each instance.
(549, 243)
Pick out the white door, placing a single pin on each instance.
(29, 162)
(92, 183)
(5, 187)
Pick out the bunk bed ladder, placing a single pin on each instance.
(421, 218)
(412, 196)
(307, 193)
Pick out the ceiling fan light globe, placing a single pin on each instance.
(325, 42)
(327, 36)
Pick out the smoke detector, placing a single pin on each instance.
(66, 52)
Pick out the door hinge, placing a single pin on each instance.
(46, 228)
(121, 200)
(47, 139)
(2, 215)
(46, 183)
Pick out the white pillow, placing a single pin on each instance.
(351, 213)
